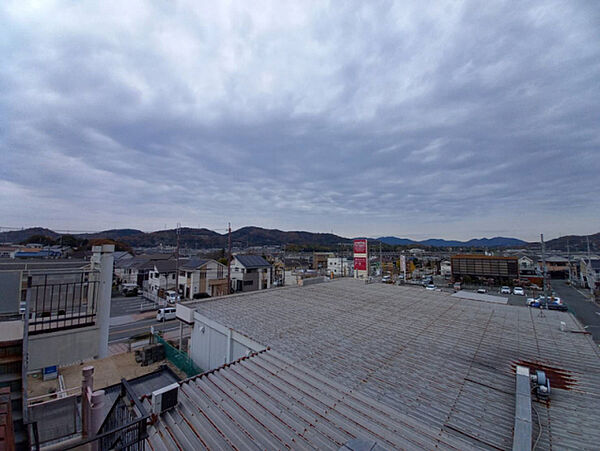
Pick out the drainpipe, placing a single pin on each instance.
(96, 419)
(104, 295)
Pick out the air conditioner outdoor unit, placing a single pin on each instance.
(164, 398)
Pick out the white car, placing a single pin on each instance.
(172, 296)
(166, 314)
(481, 290)
(430, 287)
(518, 291)
(505, 290)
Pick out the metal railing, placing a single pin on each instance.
(125, 425)
(62, 301)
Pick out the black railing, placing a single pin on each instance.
(62, 301)
(125, 425)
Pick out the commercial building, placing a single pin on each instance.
(556, 267)
(475, 266)
(402, 367)
(319, 260)
(340, 266)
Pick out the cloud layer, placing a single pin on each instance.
(454, 120)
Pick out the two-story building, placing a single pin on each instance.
(340, 266)
(250, 273)
(201, 277)
(162, 276)
(557, 267)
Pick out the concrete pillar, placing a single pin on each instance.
(104, 295)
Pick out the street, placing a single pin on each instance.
(127, 320)
(122, 332)
(587, 312)
(121, 305)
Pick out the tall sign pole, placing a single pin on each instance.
(361, 259)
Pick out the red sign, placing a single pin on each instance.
(360, 246)
(360, 263)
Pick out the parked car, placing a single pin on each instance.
(481, 290)
(505, 290)
(430, 287)
(457, 286)
(551, 303)
(172, 296)
(166, 314)
(129, 289)
(519, 291)
(386, 279)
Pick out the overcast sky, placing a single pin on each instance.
(453, 120)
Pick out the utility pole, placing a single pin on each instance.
(380, 261)
(177, 261)
(229, 258)
(544, 264)
(569, 261)
(589, 262)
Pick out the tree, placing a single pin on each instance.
(39, 239)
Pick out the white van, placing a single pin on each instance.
(166, 314)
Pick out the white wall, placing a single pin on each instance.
(213, 344)
(63, 347)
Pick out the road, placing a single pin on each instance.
(124, 331)
(126, 312)
(121, 305)
(586, 311)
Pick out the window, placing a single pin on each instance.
(248, 282)
(173, 276)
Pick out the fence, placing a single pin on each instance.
(179, 358)
(62, 300)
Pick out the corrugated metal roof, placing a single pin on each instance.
(252, 261)
(464, 294)
(446, 362)
(268, 402)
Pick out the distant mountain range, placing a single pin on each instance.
(256, 236)
(481, 242)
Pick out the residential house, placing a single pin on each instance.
(137, 269)
(162, 276)
(526, 263)
(250, 273)
(200, 278)
(590, 273)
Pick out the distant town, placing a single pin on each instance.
(154, 323)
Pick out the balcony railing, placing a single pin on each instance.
(63, 300)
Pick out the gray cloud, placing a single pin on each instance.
(453, 120)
